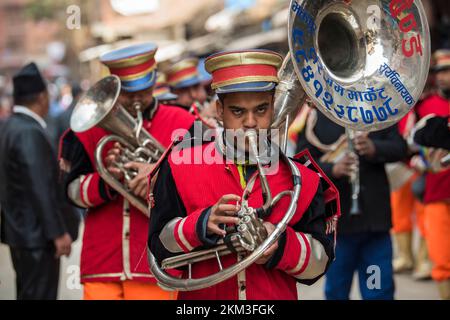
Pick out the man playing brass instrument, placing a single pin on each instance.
(113, 257)
(194, 202)
(185, 82)
(363, 240)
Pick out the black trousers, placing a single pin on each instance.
(37, 273)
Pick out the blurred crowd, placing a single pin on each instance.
(63, 94)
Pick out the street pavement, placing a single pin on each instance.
(70, 289)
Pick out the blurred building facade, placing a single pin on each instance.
(179, 27)
(20, 37)
(189, 28)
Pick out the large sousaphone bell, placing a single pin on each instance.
(362, 63)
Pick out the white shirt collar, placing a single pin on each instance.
(28, 112)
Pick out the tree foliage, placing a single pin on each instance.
(44, 9)
(51, 9)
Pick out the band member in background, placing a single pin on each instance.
(407, 212)
(162, 90)
(113, 257)
(363, 240)
(207, 98)
(205, 81)
(33, 223)
(436, 111)
(193, 201)
(407, 205)
(433, 132)
(184, 81)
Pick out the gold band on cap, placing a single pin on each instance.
(138, 75)
(247, 79)
(243, 58)
(183, 64)
(130, 62)
(162, 78)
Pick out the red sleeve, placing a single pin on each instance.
(297, 253)
(433, 105)
(93, 190)
(185, 232)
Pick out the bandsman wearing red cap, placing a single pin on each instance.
(113, 257)
(185, 81)
(193, 201)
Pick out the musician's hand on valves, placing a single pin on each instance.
(139, 184)
(346, 166)
(271, 250)
(223, 213)
(111, 159)
(364, 146)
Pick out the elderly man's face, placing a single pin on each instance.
(128, 99)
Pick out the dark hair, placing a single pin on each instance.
(26, 100)
(221, 96)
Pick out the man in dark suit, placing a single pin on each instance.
(363, 240)
(32, 223)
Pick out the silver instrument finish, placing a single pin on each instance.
(99, 107)
(363, 63)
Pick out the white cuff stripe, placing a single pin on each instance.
(167, 237)
(74, 192)
(182, 237)
(85, 186)
(303, 252)
(318, 260)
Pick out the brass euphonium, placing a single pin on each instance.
(363, 64)
(249, 236)
(99, 107)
